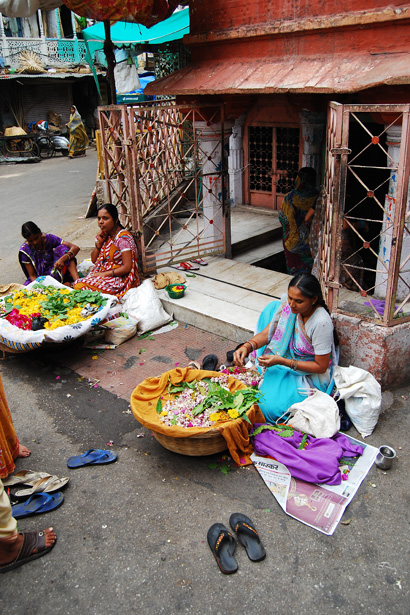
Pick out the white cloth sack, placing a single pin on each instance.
(126, 78)
(143, 305)
(363, 397)
(317, 415)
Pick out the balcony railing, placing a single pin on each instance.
(53, 52)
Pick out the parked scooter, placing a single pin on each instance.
(50, 143)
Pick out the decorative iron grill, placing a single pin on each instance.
(287, 158)
(260, 158)
(366, 237)
(161, 176)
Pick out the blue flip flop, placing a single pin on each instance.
(38, 503)
(94, 456)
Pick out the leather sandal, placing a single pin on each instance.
(223, 544)
(248, 536)
(31, 541)
(24, 477)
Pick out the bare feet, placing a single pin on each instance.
(10, 547)
(23, 451)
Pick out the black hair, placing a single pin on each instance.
(307, 176)
(310, 287)
(29, 228)
(112, 210)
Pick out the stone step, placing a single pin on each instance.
(226, 297)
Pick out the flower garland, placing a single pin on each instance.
(56, 307)
(202, 403)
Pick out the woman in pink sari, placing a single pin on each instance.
(115, 255)
(294, 344)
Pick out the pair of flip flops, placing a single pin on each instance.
(37, 504)
(223, 543)
(186, 267)
(94, 456)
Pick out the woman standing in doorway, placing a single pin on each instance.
(295, 215)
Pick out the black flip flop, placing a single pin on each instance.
(248, 536)
(210, 362)
(229, 354)
(223, 544)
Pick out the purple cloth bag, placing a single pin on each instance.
(317, 463)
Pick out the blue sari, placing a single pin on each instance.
(281, 386)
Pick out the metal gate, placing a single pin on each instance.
(365, 246)
(164, 168)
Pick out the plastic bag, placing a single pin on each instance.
(85, 266)
(119, 330)
(363, 396)
(317, 415)
(143, 305)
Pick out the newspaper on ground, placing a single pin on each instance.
(319, 506)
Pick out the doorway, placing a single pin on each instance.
(273, 161)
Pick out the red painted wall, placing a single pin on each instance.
(214, 15)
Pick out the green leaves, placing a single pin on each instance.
(159, 406)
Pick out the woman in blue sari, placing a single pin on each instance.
(294, 345)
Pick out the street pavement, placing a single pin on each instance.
(132, 534)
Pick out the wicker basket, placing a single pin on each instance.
(209, 443)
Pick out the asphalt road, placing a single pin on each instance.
(53, 193)
(132, 535)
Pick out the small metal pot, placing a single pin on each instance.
(385, 456)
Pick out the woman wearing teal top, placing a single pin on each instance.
(294, 345)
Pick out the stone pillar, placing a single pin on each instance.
(313, 132)
(235, 163)
(211, 153)
(393, 143)
(43, 44)
(4, 44)
(76, 47)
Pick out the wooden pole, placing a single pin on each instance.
(109, 54)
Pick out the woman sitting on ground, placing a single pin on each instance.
(294, 343)
(115, 254)
(46, 254)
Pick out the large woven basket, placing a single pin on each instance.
(208, 443)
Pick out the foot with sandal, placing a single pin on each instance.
(17, 548)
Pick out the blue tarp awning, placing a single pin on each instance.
(125, 34)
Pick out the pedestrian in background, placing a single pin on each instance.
(78, 136)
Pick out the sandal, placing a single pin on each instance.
(194, 365)
(229, 354)
(186, 267)
(48, 484)
(210, 362)
(248, 536)
(24, 477)
(94, 456)
(37, 504)
(223, 544)
(199, 261)
(31, 541)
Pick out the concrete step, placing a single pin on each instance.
(226, 297)
(259, 253)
